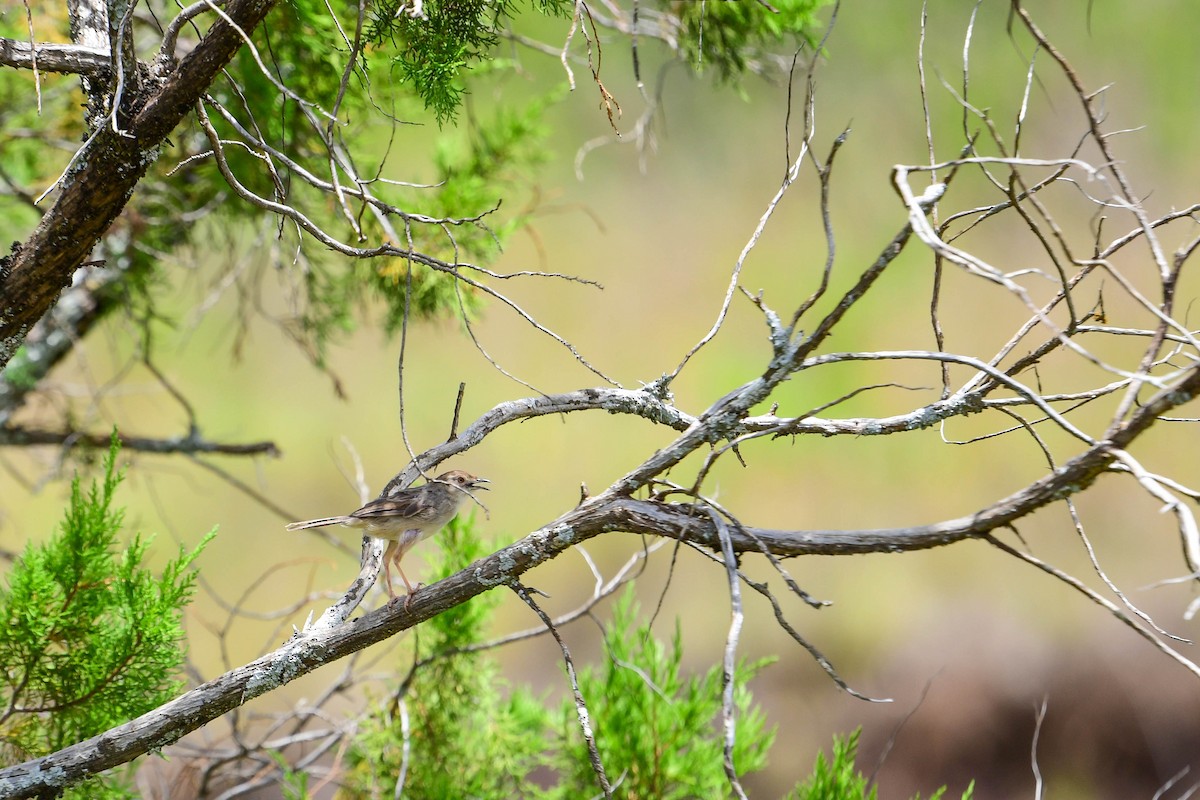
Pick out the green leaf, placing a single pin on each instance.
(653, 724)
(89, 637)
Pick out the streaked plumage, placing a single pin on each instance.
(406, 517)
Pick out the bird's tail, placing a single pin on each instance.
(317, 523)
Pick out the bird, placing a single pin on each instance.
(406, 517)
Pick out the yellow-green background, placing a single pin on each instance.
(990, 637)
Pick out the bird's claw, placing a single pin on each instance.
(407, 597)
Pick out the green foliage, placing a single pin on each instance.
(728, 36)
(308, 55)
(836, 779)
(293, 784)
(653, 725)
(89, 638)
(661, 737)
(432, 51)
(839, 780)
(967, 794)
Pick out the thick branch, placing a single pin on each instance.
(52, 57)
(99, 183)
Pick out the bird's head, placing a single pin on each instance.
(462, 480)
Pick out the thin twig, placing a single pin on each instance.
(581, 710)
(729, 665)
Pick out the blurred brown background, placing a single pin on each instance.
(988, 639)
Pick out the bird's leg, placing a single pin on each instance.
(388, 552)
(411, 589)
(392, 555)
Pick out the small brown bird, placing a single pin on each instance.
(407, 517)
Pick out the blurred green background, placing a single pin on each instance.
(983, 639)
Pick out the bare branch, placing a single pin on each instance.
(51, 57)
(1040, 718)
(728, 677)
(1146, 633)
(581, 709)
(193, 443)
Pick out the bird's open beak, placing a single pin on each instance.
(475, 484)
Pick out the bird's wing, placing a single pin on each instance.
(408, 506)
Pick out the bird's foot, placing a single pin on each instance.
(407, 598)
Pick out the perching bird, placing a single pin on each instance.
(406, 517)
